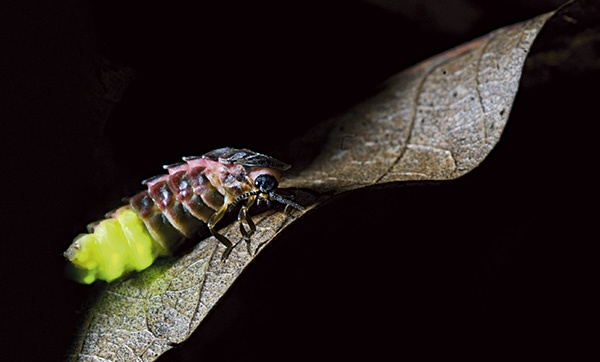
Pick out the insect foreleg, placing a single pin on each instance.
(244, 218)
(214, 219)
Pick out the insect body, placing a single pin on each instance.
(176, 206)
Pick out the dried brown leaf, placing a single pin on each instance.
(435, 121)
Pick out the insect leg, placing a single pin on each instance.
(243, 218)
(214, 219)
(287, 211)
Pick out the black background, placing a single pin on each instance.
(487, 265)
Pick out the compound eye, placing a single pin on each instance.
(266, 183)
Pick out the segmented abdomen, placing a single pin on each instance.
(178, 204)
(174, 207)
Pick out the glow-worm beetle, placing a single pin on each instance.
(194, 193)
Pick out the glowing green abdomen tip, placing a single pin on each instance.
(117, 246)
